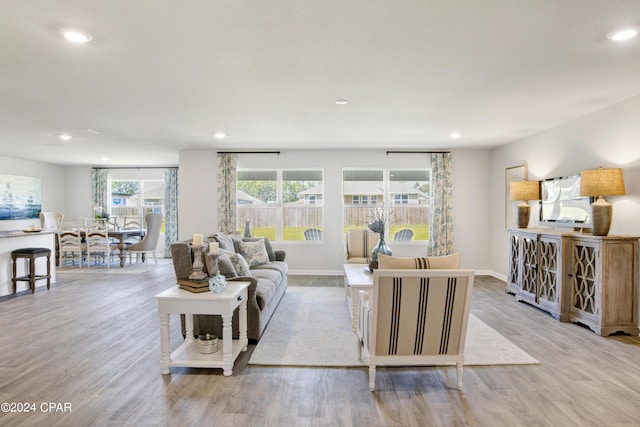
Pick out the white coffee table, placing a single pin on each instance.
(357, 277)
(179, 301)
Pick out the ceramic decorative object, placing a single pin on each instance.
(217, 283)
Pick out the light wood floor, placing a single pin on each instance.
(92, 342)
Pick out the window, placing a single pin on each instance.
(135, 198)
(362, 190)
(407, 191)
(279, 204)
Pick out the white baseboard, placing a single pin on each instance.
(316, 272)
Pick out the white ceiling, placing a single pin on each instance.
(161, 76)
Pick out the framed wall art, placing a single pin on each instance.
(511, 174)
(20, 197)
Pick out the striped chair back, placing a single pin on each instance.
(420, 312)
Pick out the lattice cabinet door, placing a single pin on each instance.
(604, 276)
(551, 289)
(528, 281)
(514, 262)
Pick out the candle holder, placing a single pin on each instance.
(197, 274)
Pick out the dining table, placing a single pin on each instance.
(122, 235)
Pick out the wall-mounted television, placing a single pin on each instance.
(561, 203)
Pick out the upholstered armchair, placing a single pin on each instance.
(359, 244)
(415, 317)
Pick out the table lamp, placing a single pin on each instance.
(524, 191)
(599, 183)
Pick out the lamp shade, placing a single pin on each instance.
(602, 182)
(524, 190)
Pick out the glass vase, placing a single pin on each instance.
(380, 248)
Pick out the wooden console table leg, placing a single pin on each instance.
(165, 348)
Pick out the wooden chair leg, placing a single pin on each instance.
(32, 274)
(15, 285)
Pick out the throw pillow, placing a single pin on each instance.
(386, 262)
(225, 241)
(254, 252)
(225, 267)
(240, 264)
(267, 245)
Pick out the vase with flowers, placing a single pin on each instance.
(378, 225)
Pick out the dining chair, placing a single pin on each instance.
(132, 223)
(50, 221)
(149, 242)
(69, 241)
(97, 243)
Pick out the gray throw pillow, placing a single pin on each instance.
(225, 267)
(267, 245)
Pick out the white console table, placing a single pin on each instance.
(179, 301)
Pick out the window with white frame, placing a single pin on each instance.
(404, 194)
(279, 204)
(134, 198)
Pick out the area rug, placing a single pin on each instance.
(312, 327)
(114, 268)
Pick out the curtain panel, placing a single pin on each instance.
(441, 227)
(227, 171)
(99, 188)
(170, 209)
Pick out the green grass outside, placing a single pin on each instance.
(420, 232)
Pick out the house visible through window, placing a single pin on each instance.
(279, 204)
(405, 191)
(135, 198)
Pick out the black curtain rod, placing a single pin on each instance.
(248, 152)
(416, 152)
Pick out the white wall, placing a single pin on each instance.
(198, 200)
(53, 186)
(78, 201)
(608, 138)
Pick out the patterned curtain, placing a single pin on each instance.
(441, 205)
(99, 189)
(170, 209)
(227, 170)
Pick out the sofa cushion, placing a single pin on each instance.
(239, 263)
(438, 262)
(273, 275)
(265, 290)
(279, 266)
(254, 252)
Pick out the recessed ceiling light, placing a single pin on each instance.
(342, 101)
(622, 35)
(75, 36)
(219, 135)
(65, 136)
(104, 159)
(455, 135)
